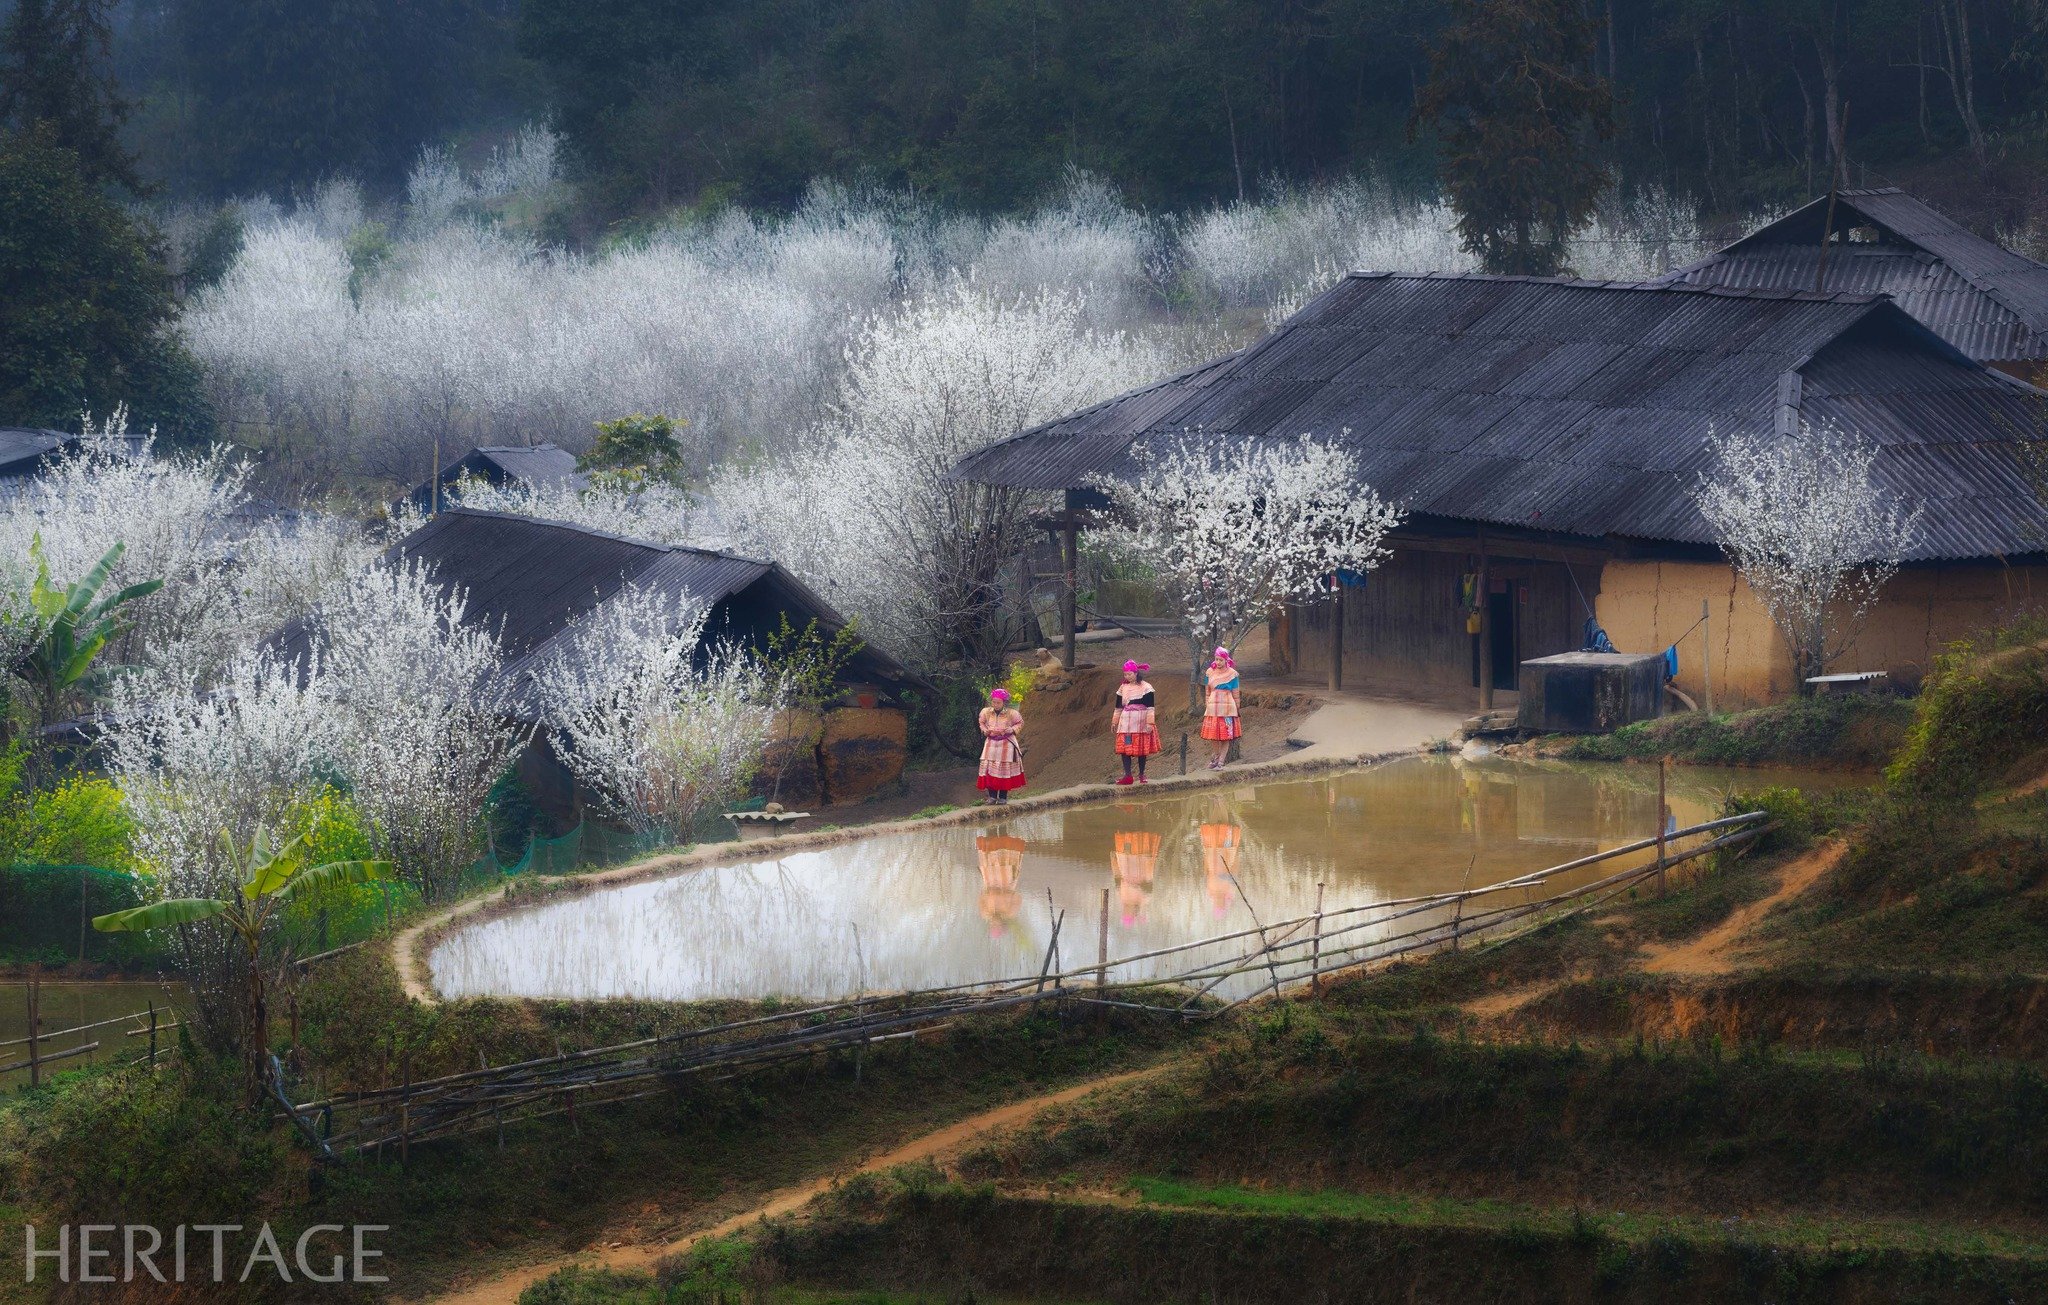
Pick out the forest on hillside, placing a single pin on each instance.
(984, 104)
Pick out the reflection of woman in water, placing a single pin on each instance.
(1002, 759)
(1221, 723)
(1002, 859)
(1220, 846)
(1133, 862)
(1134, 719)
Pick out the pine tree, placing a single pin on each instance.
(1518, 112)
(55, 71)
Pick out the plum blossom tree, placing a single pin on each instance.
(1230, 527)
(235, 755)
(1803, 520)
(869, 510)
(426, 718)
(659, 726)
(657, 512)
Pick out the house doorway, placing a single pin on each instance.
(1504, 604)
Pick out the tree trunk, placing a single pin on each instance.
(256, 1037)
(1956, 64)
(1805, 99)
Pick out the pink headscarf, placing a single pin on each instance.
(1223, 655)
(1137, 668)
(999, 695)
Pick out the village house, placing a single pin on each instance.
(499, 465)
(1986, 300)
(1545, 436)
(531, 580)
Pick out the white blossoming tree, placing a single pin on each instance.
(661, 728)
(426, 719)
(191, 763)
(1804, 522)
(870, 512)
(1230, 527)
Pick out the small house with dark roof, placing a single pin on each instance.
(1986, 300)
(1544, 437)
(533, 580)
(25, 450)
(500, 465)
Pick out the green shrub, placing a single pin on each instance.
(80, 822)
(1860, 731)
(1981, 710)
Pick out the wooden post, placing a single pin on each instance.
(35, 1026)
(1315, 963)
(152, 1034)
(405, 1112)
(1485, 597)
(1183, 759)
(1070, 560)
(1336, 633)
(1661, 762)
(1030, 634)
(1707, 654)
(1102, 937)
(497, 1114)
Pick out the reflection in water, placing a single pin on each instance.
(1134, 864)
(1220, 844)
(73, 1005)
(956, 905)
(1001, 857)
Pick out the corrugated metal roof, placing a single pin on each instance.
(532, 580)
(1986, 300)
(1581, 408)
(538, 464)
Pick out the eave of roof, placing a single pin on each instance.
(1579, 408)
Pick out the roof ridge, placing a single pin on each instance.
(577, 526)
(1655, 283)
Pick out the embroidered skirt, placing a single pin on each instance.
(1137, 732)
(1220, 719)
(1002, 764)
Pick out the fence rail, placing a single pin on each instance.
(146, 1024)
(1304, 950)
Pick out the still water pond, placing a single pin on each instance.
(961, 904)
(69, 1006)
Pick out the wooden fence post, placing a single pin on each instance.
(152, 1035)
(1661, 763)
(35, 1026)
(1102, 937)
(1315, 964)
(405, 1112)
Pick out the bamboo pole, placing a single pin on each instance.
(1662, 763)
(1485, 597)
(1102, 934)
(1315, 971)
(35, 1026)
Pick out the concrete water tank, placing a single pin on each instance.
(1590, 693)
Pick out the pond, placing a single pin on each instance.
(962, 904)
(72, 1005)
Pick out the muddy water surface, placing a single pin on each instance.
(963, 904)
(69, 1006)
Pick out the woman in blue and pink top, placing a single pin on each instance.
(1221, 723)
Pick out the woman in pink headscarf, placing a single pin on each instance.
(1221, 723)
(1002, 760)
(1133, 716)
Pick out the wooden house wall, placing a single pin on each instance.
(1407, 626)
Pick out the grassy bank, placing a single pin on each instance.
(1849, 732)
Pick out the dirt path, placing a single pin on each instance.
(1713, 952)
(505, 1290)
(1509, 1000)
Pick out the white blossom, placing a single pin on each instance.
(1804, 522)
(867, 509)
(657, 513)
(1228, 528)
(424, 716)
(659, 728)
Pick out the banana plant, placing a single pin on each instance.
(267, 874)
(75, 623)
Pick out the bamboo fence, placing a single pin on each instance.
(1288, 954)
